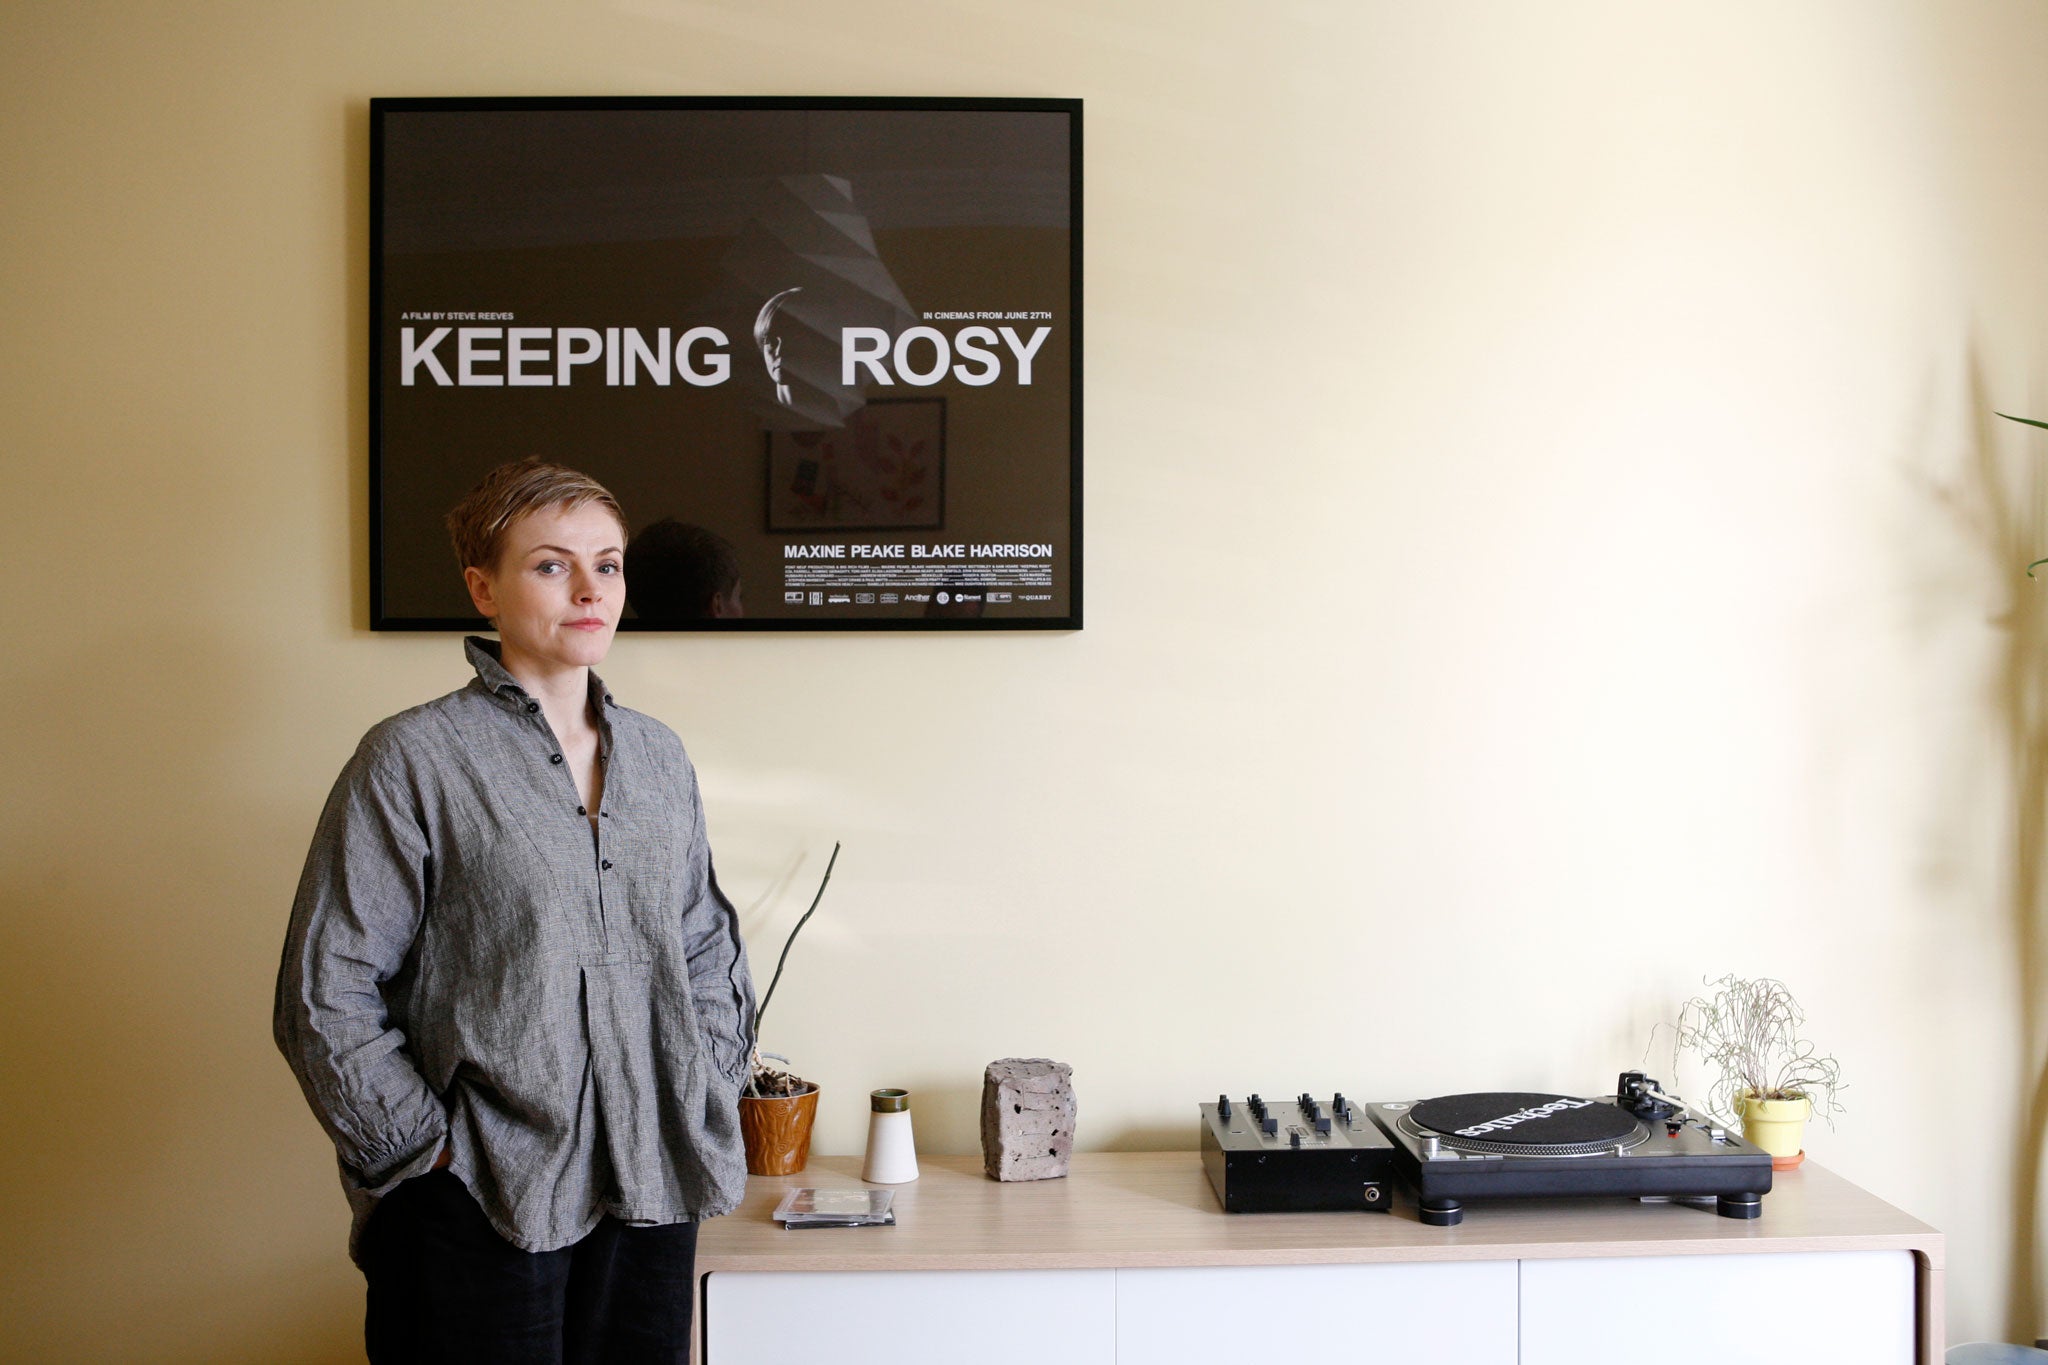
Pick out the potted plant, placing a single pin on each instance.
(778, 1107)
(1769, 1075)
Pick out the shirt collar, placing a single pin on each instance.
(487, 659)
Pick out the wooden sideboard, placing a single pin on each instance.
(1579, 1269)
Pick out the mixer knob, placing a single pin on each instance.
(1294, 1139)
(1268, 1125)
(1322, 1123)
(1223, 1106)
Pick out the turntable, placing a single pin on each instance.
(1515, 1144)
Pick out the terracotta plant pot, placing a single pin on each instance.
(777, 1129)
(1777, 1126)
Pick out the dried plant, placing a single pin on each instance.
(766, 1081)
(1749, 1031)
(769, 1083)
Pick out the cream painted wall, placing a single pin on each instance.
(1545, 546)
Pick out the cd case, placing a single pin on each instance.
(808, 1207)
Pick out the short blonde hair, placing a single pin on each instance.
(478, 523)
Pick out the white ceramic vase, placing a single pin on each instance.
(892, 1151)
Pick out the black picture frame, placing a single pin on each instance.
(485, 226)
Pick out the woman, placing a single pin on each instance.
(512, 990)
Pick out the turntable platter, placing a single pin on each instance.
(1525, 1121)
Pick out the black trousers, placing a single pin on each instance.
(446, 1289)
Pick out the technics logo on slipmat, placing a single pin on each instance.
(1507, 1121)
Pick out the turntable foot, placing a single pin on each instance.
(1739, 1205)
(1442, 1213)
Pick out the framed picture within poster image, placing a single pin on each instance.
(885, 470)
(825, 351)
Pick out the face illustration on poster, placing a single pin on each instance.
(768, 337)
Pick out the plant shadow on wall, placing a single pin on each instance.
(2026, 704)
(1999, 503)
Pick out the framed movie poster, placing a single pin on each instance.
(827, 352)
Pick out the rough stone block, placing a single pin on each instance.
(1027, 1118)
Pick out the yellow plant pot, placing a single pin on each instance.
(1777, 1126)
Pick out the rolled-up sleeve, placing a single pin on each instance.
(356, 916)
(719, 981)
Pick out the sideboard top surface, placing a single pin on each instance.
(1127, 1209)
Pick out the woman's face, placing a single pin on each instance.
(558, 587)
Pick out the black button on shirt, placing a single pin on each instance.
(554, 758)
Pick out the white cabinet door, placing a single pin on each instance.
(912, 1317)
(1463, 1313)
(1853, 1307)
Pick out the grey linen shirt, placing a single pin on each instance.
(467, 962)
